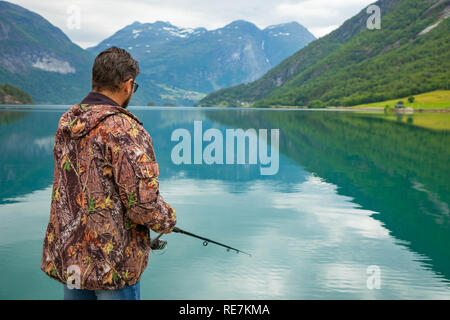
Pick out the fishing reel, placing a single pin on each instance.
(158, 244)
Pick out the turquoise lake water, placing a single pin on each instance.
(359, 208)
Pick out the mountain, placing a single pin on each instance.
(410, 54)
(12, 95)
(182, 65)
(179, 65)
(40, 59)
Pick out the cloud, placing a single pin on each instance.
(322, 31)
(311, 242)
(321, 16)
(100, 19)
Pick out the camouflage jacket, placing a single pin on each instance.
(105, 199)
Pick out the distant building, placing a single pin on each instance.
(399, 105)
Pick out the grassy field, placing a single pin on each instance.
(429, 120)
(439, 99)
(434, 99)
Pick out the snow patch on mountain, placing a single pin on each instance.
(280, 34)
(181, 33)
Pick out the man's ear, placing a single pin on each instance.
(129, 85)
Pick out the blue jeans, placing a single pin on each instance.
(126, 293)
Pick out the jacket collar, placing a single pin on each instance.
(99, 99)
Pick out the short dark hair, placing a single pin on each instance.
(112, 67)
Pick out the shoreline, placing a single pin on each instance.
(407, 110)
(393, 110)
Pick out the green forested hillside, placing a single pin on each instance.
(39, 58)
(410, 54)
(12, 95)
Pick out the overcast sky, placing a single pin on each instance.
(99, 19)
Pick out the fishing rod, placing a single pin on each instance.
(206, 241)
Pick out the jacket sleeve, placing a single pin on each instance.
(135, 173)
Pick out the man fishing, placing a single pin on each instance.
(105, 194)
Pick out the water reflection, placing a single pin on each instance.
(375, 162)
(352, 191)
